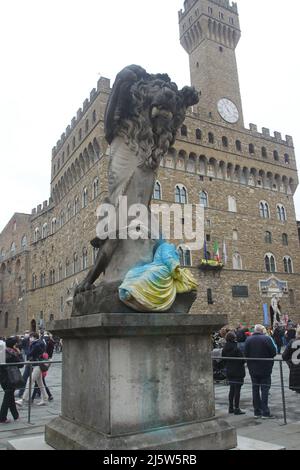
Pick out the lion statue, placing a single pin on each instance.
(142, 117)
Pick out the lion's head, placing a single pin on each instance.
(147, 111)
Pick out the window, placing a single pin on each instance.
(264, 152)
(62, 218)
(84, 197)
(292, 297)
(203, 199)
(209, 297)
(184, 131)
(60, 273)
(44, 230)
(67, 267)
(210, 10)
(198, 134)
(157, 191)
(231, 21)
(251, 148)
(264, 210)
(24, 242)
(185, 256)
(52, 276)
(180, 194)
(6, 320)
(276, 156)
(221, 15)
(80, 134)
(51, 317)
(281, 213)
(68, 150)
(286, 159)
(84, 258)
(34, 281)
(13, 248)
(94, 116)
(63, 158)
(75, 263)
(42, 279)
(285, 239)
(208, 238)
(53, 226)
(288, 265)
(69, 215)
(76, 205)
(232, 204)
(268, 237)
(237, 261)
(211, 138)
(235, 235)
(224, 141)
(238, 145)
(270, 263)
(87, 125)
(96, 188)
(73, 142)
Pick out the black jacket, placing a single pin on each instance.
(11, 357)
(260, 346)
(288, 355)
(234, 369)
(36, 350)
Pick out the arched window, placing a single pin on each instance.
(264, 152)
(53, 226)
(264, 210)
(69, 211)
(44, 230)
(13, 248)
(6, 320)
(84, 197)
(94, 116)
(288, 265)
(268, 237)
(63, 157)
(73, 142)
(67, 267)
(203, 199)
(60, 272)
(198, 134)
(285, 239)
(237, 261)
(185, 256)
(95, 188)
(62, 218)
(76, 205)
(24, 242)
(84, 258)
(286, 159)
(238, 145)
(276, 156)
(235, 235)
(224, 141)
(42, 279)
(211, 138)
(157, 191)
(87, 125)
(251, 148)
(52, 276)
(232, 204)
(184, 131)
(80, 134)
(75, 263)
(34, 281)
(2, 254)
(281, 212)
(270, 263)
(68, 150)
(180, 194)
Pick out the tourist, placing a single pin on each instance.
(13, 354)
(290, 333)
(235, 372)
(37, 348)
(260, 346)
(292, 356)
(278, 335)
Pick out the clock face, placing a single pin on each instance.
(228, 111)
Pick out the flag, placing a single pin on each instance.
(225, 257)
(217, 252)
(205, 251)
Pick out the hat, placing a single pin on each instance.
(11, 342)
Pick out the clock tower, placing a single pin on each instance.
(210, 32)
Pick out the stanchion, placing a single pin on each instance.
(30, 389)
(282, 392)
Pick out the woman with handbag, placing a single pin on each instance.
(10, 379)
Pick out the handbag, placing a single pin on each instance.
(15, 379)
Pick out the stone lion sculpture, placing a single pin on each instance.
(142, 117)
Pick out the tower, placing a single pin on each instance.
(210, 32)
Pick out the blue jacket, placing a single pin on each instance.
(260, 346)
(37, 348)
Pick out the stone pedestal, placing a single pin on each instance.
(138, 381)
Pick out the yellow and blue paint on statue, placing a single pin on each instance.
(153, 287)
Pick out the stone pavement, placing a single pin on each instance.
(263, 430)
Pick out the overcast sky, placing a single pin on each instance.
(54, 51)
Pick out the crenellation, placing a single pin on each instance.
(93, 94)
(278, 136)
(79, 114)
(289, 140)
(68, 131)
(45, 205)
(54, 150)
(73, 123)
(33, 211)
(253, 127)
(103, 84)
(39, 208)
(85, 105)
(266, 132)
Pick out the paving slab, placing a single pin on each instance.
(29, 443)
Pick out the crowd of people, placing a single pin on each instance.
(32, 347)
(250, 346)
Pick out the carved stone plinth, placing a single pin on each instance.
(138, 381)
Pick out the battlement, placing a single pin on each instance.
(188, 4)
(102, 85)
(265, 132)
(42, 207)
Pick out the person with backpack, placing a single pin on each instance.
(13, 354)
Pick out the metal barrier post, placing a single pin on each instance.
(30, 389)
(282, 392)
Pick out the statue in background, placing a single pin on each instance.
(142, 117)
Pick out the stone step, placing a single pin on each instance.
(29, 443)
(246, 443)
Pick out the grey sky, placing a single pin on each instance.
(53, 52)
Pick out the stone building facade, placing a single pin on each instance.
(245, 179)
